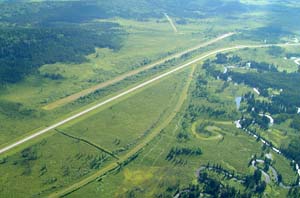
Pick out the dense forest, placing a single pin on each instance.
(293, 150)
(79, 11)
(34, 34)
(23, 50)
(287, 82)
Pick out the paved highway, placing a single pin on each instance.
(121, 77)
(41, 132)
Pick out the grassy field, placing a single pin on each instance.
(40, 118)
(150, 174)
(122, 124)
(130, 126)
(25, 100)
(45, 166)
(143, 43)
(121, 149)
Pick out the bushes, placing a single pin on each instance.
(26, 157)
(252, 183)
(275, 51)
(271, 33)
(97, 162)
(293, 150)
(182, 136)
(221, 58)
(16, 110)
(295, 124)
(29, 154)
(53, 76)
(175, 151)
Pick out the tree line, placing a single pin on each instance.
(177, 151)
(23, 50)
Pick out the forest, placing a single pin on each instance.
(29, 30)
(23, 50)
(287, 82)
(211, 187)
(79, 11)
(293, 150)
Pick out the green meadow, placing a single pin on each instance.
(159, 140)
(151, 174)
(128, 126)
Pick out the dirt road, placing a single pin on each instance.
(171, 23)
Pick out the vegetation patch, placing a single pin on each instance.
(205, 130)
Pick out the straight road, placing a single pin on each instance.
(114, 165)
(142, 85)
(92, 89)
(171, 23)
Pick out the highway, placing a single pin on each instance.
(129, 91)
(121, 77)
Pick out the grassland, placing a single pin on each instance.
(232, 142)
(150, 174)
(150, 100)
(118, 140)
(120, 150)
(124, 122)
(44, 166)
(36, 91)
(143, 44)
